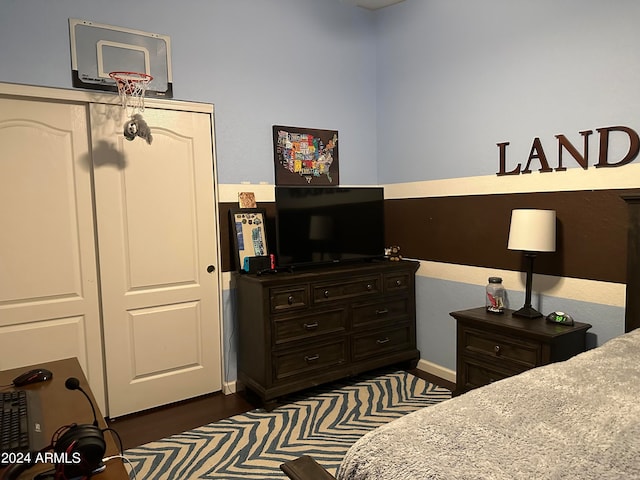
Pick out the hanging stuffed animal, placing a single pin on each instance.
(137, 127)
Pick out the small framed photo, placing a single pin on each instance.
(249, 234)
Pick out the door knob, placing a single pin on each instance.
(211, 269)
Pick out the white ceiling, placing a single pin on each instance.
(374, 4)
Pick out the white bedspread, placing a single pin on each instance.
(578, 419)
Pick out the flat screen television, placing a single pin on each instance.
(321, 225)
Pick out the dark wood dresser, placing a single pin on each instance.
(298, 330)
(494, 346)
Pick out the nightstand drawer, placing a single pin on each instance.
(340, 290)
(283, 299)
(509, 350)
(367, 313)
(298, 327)
(383, 341)
(478, 374)
(309, 359)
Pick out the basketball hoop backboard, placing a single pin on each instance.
(97, 50)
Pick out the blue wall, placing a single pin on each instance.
(306, 63)
(420, 92)
(455, 77)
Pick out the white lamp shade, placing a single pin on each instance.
(533, 230)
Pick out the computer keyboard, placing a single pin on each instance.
(21, 428)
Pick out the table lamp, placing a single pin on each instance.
(531, 231)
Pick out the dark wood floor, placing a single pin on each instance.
(144, 427)
(148, 426)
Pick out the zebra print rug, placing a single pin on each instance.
(323, 423)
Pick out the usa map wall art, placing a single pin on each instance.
(305, 156)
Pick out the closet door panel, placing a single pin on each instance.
(160, 216)
(49, 306)
(157, 235)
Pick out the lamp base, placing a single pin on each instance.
(527, 312)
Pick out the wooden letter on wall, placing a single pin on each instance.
(634, 146)
(503, 161)
(540, 155)
(583, 160)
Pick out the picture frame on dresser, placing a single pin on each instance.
(248, 229)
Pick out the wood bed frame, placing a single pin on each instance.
(306, 468)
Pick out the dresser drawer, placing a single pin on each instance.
(368, 313)
(288, 298)
(397, 282)
(383, 341)
(514, 352)
(309, 359)
(299, 327)
(323, 293)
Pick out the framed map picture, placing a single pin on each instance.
(305, 156)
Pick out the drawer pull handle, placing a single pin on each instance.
(383, 311)
(290, 300)
(326, 294)
(311, 358)
(311, 326)
(497, 349)
(369, 287)
(382, 341)
(398, 283)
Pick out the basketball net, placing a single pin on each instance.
(132, 87)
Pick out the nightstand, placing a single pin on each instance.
(493, 346)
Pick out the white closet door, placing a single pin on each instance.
(157, 231)
(49, 306)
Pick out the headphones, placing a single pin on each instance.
(78, 449)
(82, 448)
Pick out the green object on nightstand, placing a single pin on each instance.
(560, 317)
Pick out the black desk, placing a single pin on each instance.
(61, 406)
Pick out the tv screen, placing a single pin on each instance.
(318, 225)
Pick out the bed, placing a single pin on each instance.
(574, 419)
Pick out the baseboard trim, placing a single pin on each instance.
(437, 370)
(229, 387)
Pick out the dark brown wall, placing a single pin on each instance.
(473, 230)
